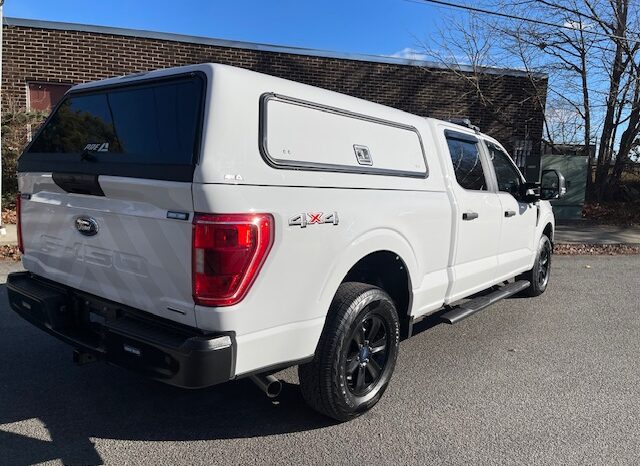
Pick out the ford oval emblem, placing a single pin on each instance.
(87, 226)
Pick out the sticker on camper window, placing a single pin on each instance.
(363, 156)
(99, 147)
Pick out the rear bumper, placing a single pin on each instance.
(157, 348)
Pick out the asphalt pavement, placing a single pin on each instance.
(550, 380)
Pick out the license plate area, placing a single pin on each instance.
(94, 313)
(91, 318)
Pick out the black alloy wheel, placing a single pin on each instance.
(367, 353)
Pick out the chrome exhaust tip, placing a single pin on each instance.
(268, 384)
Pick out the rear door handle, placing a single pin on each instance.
(509, 213)
(469, 216)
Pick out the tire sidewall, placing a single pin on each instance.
(544, 243)
(387, 312)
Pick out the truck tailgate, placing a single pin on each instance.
(106, 201)
(137, 255)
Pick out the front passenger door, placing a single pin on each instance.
(516, 248)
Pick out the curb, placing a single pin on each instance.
(596, 249)
(596, 245)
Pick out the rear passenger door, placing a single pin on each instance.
(518, 217)
(477, 224)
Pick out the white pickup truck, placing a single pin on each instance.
(207, 223)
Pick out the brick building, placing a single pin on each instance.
(42, 59)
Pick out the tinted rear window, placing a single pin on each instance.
(143, 130)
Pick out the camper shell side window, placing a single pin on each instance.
(302, 135)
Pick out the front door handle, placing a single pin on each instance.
(509, 213)
(469, 216)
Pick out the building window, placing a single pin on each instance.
(44, 96)
(522, 151)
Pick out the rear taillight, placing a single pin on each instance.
(228, 251)
(19, 220)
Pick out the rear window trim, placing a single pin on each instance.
(37, 162)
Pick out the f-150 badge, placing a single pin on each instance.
(313, 218)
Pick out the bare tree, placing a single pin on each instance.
(565, 124)
(467, 49)
(17, 124)
(589, 49)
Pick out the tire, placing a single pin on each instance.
(539, 275)
(349, 373)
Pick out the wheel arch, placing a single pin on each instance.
(383, 251)
(388, 271)
(548, 231)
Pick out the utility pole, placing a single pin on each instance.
(3, 230)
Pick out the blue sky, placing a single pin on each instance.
(379, 27)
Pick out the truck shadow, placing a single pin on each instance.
(51, 409)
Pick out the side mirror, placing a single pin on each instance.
(552, 185)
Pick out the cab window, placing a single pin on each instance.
(507, 175)
(467, 165)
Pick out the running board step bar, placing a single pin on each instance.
(463, 311)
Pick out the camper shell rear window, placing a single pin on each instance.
(149, 129)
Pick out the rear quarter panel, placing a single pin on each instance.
(283, 314)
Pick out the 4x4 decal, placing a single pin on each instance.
(313, 218)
